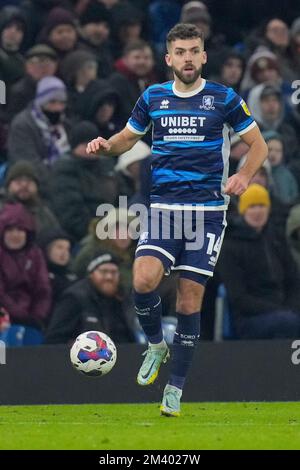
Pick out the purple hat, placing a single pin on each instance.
(48, 89)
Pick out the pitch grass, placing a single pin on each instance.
(202, 426)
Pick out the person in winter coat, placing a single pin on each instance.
(60, 32)
(40, 62)
(135, 71)
(79, 72)
(259, 273)
(116, 222)
(267, 107)
(101, 104)
(12, 33)
(79, 185)
(38, 134)
(293, 233)
(25, 290)
(23, 185)
(94, 31)
(94, 303)
(56, 245)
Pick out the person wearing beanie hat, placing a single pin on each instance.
(12, 34)
(94, 31)
(90, 182)
(22, 184)
(60, 31)
(94, 303)
(255, 195)
(259, 273)
(39, 133)
(40, 61)
(56, 245)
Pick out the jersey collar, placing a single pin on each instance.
(188, 94)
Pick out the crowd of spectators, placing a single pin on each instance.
(73, 70)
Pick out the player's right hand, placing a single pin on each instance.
(95, 146)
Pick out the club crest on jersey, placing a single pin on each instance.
(164, 104)
(207, 102)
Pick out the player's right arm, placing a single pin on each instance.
(115, 145)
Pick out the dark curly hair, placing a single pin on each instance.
(184, 31)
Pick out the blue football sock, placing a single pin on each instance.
(149, 310)
(185, 340)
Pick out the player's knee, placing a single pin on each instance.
(143, 281)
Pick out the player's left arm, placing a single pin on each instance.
(256, 155)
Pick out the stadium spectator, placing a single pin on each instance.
(79, 185)
(41, 61)
(60, 32)
(22, 185)
(162, 16)
(95, 26)
(215, 45)
(118, 243)
(79, 73)
(259, 273)
(94, 303)
(293, 233)
(38, 134)
(12, 32)
(232, 70)
(295, 48)
(135, 71)
(101, 104)
(277, 39)
(264, 67)
(24, 285)
(129, 168)
(284, 183)
(56, 246)
(266, 104)
(127, 22)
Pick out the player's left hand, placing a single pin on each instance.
(236, 184)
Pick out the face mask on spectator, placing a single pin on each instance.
(53, 116)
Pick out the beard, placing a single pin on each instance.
(187, 79)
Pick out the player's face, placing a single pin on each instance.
(186, 58)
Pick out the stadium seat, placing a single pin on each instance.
(224, 327)
(18, 335)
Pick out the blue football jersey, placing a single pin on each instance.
(190, 142)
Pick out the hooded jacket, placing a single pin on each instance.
(24, 285)
(258, 271)
(288, 133)
(83, 308)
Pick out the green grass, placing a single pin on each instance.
(202, 426)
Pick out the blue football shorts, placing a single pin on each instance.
(188, 241)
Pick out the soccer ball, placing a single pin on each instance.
(93, 353)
